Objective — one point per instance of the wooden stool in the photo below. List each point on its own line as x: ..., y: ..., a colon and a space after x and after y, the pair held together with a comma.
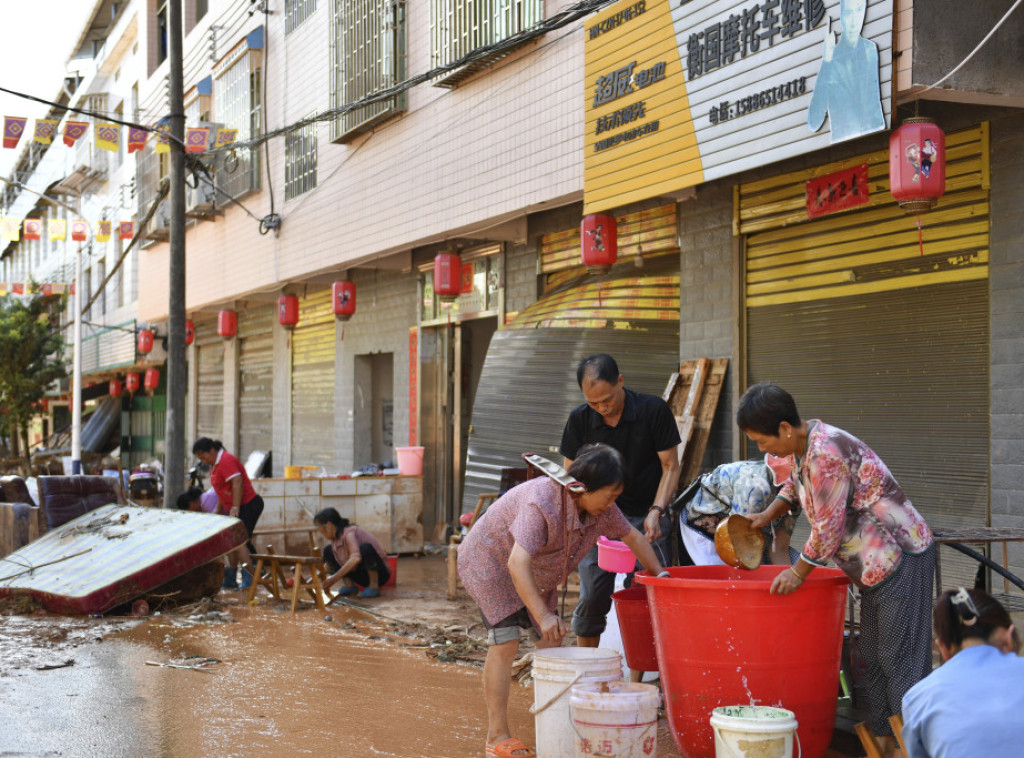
x: 276, y: 581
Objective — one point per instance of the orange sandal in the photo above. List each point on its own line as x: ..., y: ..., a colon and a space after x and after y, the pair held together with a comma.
x: 510, y: 747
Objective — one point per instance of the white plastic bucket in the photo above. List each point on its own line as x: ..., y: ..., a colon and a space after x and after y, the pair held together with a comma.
x: 410, y: 460
x: 555, y: 671
x: 615, y: 719
x: 742, y: 730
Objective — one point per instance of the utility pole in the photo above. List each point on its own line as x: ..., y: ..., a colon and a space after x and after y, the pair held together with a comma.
x: 76, y: 363
x: 174, y: 453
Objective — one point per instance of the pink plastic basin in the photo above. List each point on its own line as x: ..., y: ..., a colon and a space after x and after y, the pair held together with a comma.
x: 723, y: 639
x: 614, y: 556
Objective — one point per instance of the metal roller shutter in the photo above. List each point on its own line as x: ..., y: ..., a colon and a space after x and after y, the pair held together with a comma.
x: 210, y: 392
x: 256, y: 385
x: 313, y: 383
x: 874, y: 336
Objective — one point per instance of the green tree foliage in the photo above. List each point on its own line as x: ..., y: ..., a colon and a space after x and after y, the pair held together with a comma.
x: 31, y: 358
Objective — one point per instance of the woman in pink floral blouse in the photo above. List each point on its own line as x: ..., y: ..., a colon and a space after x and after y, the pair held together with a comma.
x: 862, y: 521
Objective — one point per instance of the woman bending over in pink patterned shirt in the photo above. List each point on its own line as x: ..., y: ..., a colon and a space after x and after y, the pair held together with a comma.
x: 525, y: 545
x: 863, y: 522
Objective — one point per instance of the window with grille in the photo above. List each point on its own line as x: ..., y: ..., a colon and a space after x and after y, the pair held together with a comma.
x: 457, y: 27
x: 297, y: 11
x: 300, y: 161
x: 367, y: 57
x: 237, y: 106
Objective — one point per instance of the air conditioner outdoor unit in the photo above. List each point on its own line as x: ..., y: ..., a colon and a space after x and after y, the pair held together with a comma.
x: 159, y: 226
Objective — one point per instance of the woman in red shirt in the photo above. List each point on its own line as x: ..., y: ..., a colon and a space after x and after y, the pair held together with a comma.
x: 236, y: 497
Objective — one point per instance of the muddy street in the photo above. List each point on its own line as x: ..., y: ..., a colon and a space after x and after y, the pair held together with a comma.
x: 343, y: 683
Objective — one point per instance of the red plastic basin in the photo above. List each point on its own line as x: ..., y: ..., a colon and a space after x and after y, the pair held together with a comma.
x: 722, y: 639
x: 634, y: 615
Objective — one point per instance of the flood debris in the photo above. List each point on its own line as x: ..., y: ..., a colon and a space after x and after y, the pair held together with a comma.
x: 192, y: 662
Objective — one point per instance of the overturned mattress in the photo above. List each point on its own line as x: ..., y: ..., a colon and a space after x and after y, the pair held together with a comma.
x: 113, y: 554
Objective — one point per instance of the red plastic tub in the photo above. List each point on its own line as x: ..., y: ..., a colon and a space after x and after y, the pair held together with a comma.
x: 635, y: 627
x: 393, y: 566
x: 723, y: 639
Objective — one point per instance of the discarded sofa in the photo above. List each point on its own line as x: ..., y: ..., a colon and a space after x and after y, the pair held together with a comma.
x: 21, y: 520
x: 64, y: 498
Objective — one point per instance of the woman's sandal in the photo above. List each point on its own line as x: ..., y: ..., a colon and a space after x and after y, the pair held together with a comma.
x: 510, y: 747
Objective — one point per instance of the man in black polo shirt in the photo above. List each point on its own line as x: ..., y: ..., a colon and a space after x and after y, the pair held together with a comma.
x: 643, y: 429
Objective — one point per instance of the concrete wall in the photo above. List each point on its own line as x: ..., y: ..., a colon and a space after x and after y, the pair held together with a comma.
x: 1006, y: 339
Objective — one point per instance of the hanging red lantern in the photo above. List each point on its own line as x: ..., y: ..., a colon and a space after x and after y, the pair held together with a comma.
x: 343, y: 299
x: 190, y: 332
x: 114, y: 388
x: 152, y: 380
x: 447, y: 276
x: 145, y: 341
x: 917, y: 164
x: 227, y: 324
x: 288, y: 310
x: 131, y: 382
x: 599, y: 235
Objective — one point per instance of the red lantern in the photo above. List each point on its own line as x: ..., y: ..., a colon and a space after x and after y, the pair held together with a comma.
x: 114, y: 388
x: 152, y: 380
x: 227, y: 324
x: 447, y: 276
x: 190, y: 332
x: 343, y: 298
x: 131, y: 381
x: 288, y: 310
x: 599, y: 234
x: 917, y: 164
x: 145, y: 341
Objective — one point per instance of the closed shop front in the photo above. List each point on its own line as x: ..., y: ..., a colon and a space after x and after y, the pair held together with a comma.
x: 210, y: 391
x: 877, y: 328
x: 313, y: 383
x: 256, y: 380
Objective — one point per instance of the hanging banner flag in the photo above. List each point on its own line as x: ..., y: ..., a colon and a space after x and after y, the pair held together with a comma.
x: 225, y: 138
x: 73, y: 130
x: 163, y: 140
x: 44, y: 131
x: 79, y: 229
x: 33, y: 228
x: 196, y: 139
x: 103, y: 231
x: 18, y: 288
x: 58, y: 229
x: 45, y: 289
x: 14, y: 127
x: 71, y: 288
x: 136, y: 139
x: 3, y: 288
x: 126, y: 230
x: 108, y: 136
x: 10, y: 229
x: 58, y: 289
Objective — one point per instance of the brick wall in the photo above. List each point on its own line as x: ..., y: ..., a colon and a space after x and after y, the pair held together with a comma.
x: 1006, y: 338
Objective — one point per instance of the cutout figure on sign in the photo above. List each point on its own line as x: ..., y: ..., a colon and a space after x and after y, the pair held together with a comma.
x: 913, y: 153
x: 929, y: 154
x: 847, y: 88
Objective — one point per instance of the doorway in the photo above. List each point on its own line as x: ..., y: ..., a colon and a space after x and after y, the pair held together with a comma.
x: 374, y: 409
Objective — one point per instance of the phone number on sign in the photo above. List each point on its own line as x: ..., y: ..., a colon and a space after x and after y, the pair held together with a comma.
x: 726, y: 110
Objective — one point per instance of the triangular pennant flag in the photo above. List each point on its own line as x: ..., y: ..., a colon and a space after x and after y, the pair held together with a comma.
x: 10, y: 229
x: 58, y: 229
x: 103, y: 231
x: 136, y: 138
x: 79, y: 229
x: 33, y: 228
x: 73, y: 130
x: 196, y: 138
x: 126, y: 230
x: 225, y: 138
x: 18, y: 288
x: 45, y: 129
x: 14, y: 127
x: 163, y: 140
x: 108, y: 136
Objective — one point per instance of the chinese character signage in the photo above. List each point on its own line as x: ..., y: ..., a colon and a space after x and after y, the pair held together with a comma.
x: 679, y: 92
x: 838, y: 192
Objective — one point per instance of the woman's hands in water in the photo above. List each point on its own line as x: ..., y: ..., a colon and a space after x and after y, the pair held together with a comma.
x: 553, y: 628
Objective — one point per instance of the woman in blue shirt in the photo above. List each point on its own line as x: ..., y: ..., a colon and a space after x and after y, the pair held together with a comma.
x: 965, y: 707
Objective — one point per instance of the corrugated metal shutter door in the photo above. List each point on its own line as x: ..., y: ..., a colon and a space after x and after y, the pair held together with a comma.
x: 313, y: 383
x: 210, y: 395
x: 256, y: 388
x: 871, y: 336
